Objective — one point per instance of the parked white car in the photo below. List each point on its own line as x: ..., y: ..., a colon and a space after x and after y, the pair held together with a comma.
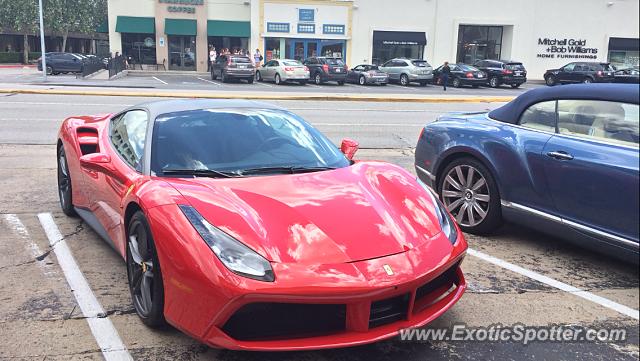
x: 283, y: 70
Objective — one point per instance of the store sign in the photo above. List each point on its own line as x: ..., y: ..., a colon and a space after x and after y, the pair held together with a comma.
x: 567, y: 48
x: 306, y: 15
x: 181, y: 6
x: 393, y: 42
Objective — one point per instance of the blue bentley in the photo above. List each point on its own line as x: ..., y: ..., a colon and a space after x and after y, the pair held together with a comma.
x: 563, y: 160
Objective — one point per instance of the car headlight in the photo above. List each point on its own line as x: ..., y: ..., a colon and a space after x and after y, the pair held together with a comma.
x: 444, y: 218
x: 237, y: 257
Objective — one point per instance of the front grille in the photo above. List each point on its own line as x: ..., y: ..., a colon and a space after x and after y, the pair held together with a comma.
x: 272, y: 321
x: 388, y: 310
x: 425, y: 292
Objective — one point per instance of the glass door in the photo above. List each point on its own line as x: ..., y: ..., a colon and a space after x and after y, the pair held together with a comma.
x: 312, y: 49
x: 298, y: 50
x: 182, y: 53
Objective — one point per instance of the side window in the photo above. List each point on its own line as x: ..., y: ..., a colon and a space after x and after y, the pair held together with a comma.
x: 579, y: 67
x: 128, y: 133
x: 612, y: 122
x: 540, y: 116
x: 359, y: 68
x: 388, y: 64
x: 569, y: 67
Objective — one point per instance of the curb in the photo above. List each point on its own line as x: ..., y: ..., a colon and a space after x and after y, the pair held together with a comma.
x: 327, y: 97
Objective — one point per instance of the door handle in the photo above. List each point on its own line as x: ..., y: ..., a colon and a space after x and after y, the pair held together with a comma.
x: 560, y: 155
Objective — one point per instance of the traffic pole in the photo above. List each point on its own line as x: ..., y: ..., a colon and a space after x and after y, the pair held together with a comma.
x: 42, y: 49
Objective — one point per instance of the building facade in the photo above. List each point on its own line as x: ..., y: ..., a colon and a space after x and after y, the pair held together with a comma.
x: 542, y: 34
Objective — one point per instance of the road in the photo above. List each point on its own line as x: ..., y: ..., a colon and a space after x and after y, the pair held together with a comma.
x: 40, y: 319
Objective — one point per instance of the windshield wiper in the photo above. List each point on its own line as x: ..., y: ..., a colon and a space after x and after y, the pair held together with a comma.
x: 290, y: 170
x: 201, y: 173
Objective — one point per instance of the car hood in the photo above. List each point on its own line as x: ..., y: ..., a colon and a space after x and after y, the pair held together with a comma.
x: 364, y: 211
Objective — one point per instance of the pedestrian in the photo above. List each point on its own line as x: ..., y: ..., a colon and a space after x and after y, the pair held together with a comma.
x: 444, y: 75
x: 257, y: 57
x: 212, y: 57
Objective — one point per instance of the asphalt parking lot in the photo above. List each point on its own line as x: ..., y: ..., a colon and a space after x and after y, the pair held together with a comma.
x: 168, y: 80
x: 41, y: 319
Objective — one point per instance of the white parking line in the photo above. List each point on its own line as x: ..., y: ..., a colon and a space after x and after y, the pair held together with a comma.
x: 263, y: 84
x: 210, y: 81
x: 162, y: 81
x: 20, y: 230
x: 105, y: 334
x: 627, y: 311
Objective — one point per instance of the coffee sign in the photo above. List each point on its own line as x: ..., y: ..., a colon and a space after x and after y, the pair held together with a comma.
x: 567, y: 48
x: 181, y: 6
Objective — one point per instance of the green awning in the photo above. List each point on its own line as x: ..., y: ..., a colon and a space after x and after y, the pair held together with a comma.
x: 134, y: 24
x: 180, y: 27
x: 103, y: 27
x: 241, y: 29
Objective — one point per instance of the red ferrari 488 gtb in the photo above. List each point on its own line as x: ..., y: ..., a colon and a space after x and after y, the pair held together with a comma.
x: 246, y: 228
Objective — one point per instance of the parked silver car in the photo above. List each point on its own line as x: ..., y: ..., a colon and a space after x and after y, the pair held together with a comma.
x: 283, y: 70
x: 405, y: 71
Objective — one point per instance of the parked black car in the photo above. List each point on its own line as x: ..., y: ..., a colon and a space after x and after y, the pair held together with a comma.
x: 367, y: 74
x: 503, y: 72
x: 62, y: 63
x: 461, y: 74
x: 323, y: 69
x: 580, y: 72
x: 629, y: 75
x: 229, y: 67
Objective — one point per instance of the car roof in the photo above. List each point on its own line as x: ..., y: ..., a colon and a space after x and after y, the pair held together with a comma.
x: 510, y: 112
x: 160, y: 107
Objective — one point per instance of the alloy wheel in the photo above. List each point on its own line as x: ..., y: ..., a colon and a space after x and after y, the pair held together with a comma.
x: 141, y: 269
x: 277, y: 80
x: 64, y: 181
x: 551, y: 81
x: 456, y: 83
x: 362, y: 81
x: 493, y: 82
x: 466, y: 195
x: 318, y: 79
x: 587, y: 81
x: 404, y: 80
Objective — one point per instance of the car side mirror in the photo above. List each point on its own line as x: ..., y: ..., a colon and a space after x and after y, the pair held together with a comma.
x: 349, y: 147
x: 97, y: 162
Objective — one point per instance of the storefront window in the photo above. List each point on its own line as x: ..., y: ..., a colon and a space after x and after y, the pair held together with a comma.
x: 234, y: 44
x: 182, y: 52
x: 624, y: 52
x: 272, y: 49
x: 397, y: 44
x: 141, y: 48
x: 476, y: 42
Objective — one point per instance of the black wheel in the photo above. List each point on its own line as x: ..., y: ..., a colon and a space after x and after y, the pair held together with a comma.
x: 64, y: 184
x: 302, y: 82
x: 250, y: 80
x: 277, y: 79
x: 259, y: 77
x: 404, y: 80
x: 475, y: 86
x: 383, y: 84
x: 340, y: 82
x: 515, y: 86
x: 143, y: 272
x: 362, y: 80
x: 318, y: 79
x: 470, y: 193
x: 49, y: 70
x: 587, y: 80
x: 494, y: 82
x: 457, y: 83
x: 550, y: 80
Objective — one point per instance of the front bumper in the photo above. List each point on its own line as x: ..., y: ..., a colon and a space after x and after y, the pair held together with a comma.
x: 208, y: 302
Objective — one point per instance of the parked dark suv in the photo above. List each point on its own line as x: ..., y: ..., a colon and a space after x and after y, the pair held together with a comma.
x: 581, y: 72
x: 229, y: 67
x: 62, y: 63
x: 323, y: 69
x: 503, y: 72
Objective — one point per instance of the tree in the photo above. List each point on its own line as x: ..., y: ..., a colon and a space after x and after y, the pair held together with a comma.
x: 22, y: 17
x: 82, y: 16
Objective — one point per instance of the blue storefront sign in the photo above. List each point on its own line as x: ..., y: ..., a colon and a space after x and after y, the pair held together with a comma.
x: 306, y: 15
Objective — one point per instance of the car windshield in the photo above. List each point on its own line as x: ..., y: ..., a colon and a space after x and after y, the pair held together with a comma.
x: 371, y: 67
x: 332, y: 61
x: 607, y: 67
x: 240, y: 59
x: 234, y: 140
x: 291, y: 63
x: 420, y: 63
x: 514, y: 66
x: 465, y: 67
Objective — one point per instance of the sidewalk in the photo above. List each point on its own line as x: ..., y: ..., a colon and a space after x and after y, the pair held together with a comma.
x: 208, y: 94
x: 17, y: 66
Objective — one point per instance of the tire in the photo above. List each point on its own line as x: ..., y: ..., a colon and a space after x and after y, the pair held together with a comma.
x: 515, y: 86
x: 213, y: 75
x: 250, y: 80
x: 478, y: 194
x: 277, y: 79
x: 494, y: 82
x: 340, y: 82
x: 383, y: 84
x: 550, y: 80
x: 362, y: 80
x: 49, y: 70
x: 404, y: 80
x: 259, y: 77
x: 302, y: 82
x: 65, y: 193
x: 587, y: 80
x: 223, y: 78
x: 317, y: 79
x: 423, y: 83
x: 144, y: 274
x: 456, y: 83
x: 475, y: 86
